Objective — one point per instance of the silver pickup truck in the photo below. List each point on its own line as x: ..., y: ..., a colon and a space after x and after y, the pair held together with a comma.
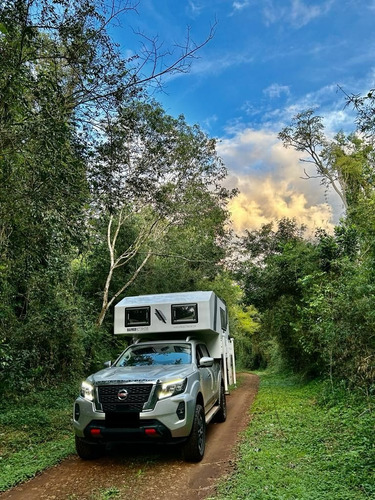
x: 156, y: 391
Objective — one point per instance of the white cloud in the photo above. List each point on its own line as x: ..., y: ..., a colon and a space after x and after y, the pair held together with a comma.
x: 328, y: 102
x: 240, y: 5
x: 269, y: 179
x: 213, y: 66
x: 263, y: 201
x: 195, y: 8
x: 302, y: 14
x: 297, y: 13
x: 276, y: 90
x: 210, y: 121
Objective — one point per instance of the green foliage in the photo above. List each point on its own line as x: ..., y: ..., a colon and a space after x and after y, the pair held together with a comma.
x: 304, y: 445
x: 333, y: 318
x: 273, y: 263
x: 36, y: 432
x: 81, y: 150
x: 316, y: 300
x: 337, y: 321
x: 167, y: 173
x: 244, y: 325
x: 108, y: 493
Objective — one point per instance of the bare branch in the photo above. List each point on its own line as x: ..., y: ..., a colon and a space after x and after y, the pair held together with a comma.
x: 150, y: 55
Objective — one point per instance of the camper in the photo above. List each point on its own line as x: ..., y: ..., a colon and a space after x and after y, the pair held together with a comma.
x: 168, y: 384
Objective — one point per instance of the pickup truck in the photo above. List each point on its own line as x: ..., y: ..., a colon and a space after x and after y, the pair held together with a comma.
x: 158, y: 390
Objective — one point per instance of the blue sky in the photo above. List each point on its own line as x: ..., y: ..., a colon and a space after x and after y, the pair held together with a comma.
x: 268, y: 60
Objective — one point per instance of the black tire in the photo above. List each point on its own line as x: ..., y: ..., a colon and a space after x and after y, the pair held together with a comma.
x: 193, y: 448
x: 88, y: 451
x: 221, y: 415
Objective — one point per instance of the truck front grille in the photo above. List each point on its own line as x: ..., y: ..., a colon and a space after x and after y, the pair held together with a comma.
x: 123, y: 398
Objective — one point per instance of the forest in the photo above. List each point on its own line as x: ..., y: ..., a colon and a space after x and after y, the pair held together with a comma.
x: 103, y: 194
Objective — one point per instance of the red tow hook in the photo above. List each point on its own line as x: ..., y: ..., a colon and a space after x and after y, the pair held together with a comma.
x: 151, y: 432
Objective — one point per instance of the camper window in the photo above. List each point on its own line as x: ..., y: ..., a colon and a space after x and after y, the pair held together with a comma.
x: 184, y: 313
x: 223, y: 319
x: 137, y: 316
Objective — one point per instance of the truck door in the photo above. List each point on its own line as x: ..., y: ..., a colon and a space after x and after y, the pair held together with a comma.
x: 206, y: 376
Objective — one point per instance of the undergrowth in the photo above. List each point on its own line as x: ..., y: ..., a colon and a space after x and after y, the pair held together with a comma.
x: 35, y: 432
x: 305, y: 442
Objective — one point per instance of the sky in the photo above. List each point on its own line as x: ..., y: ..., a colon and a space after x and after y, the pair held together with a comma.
x: 267, y: 61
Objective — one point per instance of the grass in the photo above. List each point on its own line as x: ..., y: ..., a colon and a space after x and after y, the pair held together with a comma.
x: 35, y: 433
x: 304, y: 443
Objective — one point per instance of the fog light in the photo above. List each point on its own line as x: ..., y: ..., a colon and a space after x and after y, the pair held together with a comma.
x: 77, y: 411
x: 181, y: 410
x: 95, y: 432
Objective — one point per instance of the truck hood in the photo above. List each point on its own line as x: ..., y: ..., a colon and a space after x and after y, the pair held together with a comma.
x: 139, y: 374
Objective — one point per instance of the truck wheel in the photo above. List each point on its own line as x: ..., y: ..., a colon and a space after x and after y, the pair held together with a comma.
x: 221, y: 415
x: 88, y: 451
x: 193, y: 449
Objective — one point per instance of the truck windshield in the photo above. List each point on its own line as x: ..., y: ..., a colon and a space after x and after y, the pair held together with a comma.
x: 156, y: 354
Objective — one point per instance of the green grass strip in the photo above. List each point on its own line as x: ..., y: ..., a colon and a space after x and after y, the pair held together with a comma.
x: 301, y: 445
x: 35, y: 433
x: 27, y: 463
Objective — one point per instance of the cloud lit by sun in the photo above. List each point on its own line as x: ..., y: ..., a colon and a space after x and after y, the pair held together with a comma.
x: 269, y: 179
x: 263, y: 201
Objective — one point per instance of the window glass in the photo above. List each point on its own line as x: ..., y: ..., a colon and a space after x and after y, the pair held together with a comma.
x: 156, y: 354
x: 204, y: 350
x: 201, y: 352
x: 223, y: 319
x: 184, y: 313
x: 137, y: 316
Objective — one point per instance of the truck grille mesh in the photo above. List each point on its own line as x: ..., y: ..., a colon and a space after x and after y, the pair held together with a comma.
x: 137, y: 395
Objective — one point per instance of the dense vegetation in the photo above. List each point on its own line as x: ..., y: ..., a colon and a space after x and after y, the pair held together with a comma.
x: 304, y: 443
x: 103, y: 194
x: 316, y: 296
x: 36, y: 433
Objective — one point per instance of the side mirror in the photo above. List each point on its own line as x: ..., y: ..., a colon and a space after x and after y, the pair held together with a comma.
x: 206, y: 362
x: 108, y: 364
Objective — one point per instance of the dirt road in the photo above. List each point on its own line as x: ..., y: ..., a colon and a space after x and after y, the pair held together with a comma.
x: 140, y: 474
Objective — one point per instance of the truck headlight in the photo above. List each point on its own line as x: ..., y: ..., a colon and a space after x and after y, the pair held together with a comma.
x: 87, y: 391
x: 168, y: 389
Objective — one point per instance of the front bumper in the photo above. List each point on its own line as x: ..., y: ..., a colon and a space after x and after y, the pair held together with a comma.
x: 170, y: 420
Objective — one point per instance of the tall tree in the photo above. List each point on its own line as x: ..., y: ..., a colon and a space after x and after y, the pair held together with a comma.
x: 61, y: 75
x: 155, y: 164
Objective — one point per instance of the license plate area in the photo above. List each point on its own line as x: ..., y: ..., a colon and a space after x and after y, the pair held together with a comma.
x: 122, y: 419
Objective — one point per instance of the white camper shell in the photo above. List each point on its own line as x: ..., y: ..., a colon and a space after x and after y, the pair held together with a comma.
x: 201, y: 315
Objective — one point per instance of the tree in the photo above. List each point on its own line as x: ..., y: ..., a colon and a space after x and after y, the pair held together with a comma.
x: 336, y: 319
x: 273, y: 263
x: 364, y: 106
x: 61, y: 76
x: 151, y: 163
x: 344, y: 163
x: 43, y: 189
x: 306, y: 133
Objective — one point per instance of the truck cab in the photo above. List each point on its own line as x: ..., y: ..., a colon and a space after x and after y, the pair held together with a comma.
x: 168, y: 384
